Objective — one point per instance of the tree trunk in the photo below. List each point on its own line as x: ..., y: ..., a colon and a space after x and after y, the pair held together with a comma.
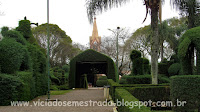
x: 154, y: 43
x: 162, y: 52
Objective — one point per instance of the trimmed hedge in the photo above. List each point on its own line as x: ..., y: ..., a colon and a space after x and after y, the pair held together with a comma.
x: 93, y: 57
x: 137, y: 63
x: 11, y: 55
x: 144, y: 79
x: 123, y: 79
x: 113, y: 85
x: 101, y: 83
x: 24, y: 28
x: 153, y: 93
x: 39, y: 69
x: 185, y: 88
x: 9, y: 88
x: 190, y: 37
x: 6, y: 33
x: 103, y: 78
x: 146, y: 66
x: 163, y: 68
x: 174, y: 69
x: 122, y: 94
x: 27, y: 91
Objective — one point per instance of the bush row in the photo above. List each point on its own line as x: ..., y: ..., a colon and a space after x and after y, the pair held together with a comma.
x: 102, y: 81
x: 142, y: 79
x: 153, y: 93
x: 124, y: 96
x: 185, y: 88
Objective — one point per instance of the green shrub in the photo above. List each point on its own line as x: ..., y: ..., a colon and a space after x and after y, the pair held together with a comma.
x: 25, y: 29
x: 137, y: 66
x: 122, y: 81
x: 145, y: 79
x: 113, y: 85
x: 135, y: 54
x: 101, y: 83
x: 9, y: 88
x: 174, y: 58
x: 163, y: 68
x: 39, y: 69
x: 103, y: 78
x: 27, y: 91
x: 122, y: 94
x: 185, y: 88
x: 54, y: 79
x: 38, y: 59
x: 153, y: 93
x: 41, y: 84
x: 54, y: 87
x: 65, y: 68
x: 146, y: 66
x: 59, y: 74
x: 64, y: 87
x: 11, y: 55
x: 6, y: 33
x: 174, y: 69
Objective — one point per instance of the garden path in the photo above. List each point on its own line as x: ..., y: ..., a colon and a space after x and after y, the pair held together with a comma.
x: 75, y: 95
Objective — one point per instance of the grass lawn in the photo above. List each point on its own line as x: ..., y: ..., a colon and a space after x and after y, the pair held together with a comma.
x: 163, y: 111
x: 59, y: 92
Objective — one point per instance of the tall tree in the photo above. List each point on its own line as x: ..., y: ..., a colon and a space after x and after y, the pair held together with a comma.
x: 94, y: 6
x: 189, y: 8
x: 60, y: 43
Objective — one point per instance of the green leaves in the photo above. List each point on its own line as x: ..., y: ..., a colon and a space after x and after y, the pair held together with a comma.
x: 11, y: 55
x: 185, y: 88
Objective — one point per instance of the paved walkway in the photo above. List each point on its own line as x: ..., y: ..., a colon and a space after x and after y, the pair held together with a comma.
x: 75, y: 95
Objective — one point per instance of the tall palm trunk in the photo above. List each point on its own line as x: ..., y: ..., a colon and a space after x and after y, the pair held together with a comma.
x: 154, y: 43
x: 162, y: 51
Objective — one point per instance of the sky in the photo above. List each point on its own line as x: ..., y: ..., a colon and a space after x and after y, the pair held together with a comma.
x: 71, y: 16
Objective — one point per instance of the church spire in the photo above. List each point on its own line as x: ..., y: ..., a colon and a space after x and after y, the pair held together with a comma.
x: 95, y: 39
x: 95, y: 31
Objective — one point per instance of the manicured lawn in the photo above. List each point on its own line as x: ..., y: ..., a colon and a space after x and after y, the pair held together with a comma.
x: 59, y: 92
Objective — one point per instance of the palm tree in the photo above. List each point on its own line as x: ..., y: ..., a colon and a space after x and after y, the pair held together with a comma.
x: 189, y: 8
x: 94, y: 6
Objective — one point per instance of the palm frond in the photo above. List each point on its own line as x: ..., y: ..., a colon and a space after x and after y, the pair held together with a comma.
x: 98, y: 6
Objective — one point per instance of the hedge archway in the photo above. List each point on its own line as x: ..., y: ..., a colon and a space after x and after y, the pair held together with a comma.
x: 189, y: 40
x: 89, y: 61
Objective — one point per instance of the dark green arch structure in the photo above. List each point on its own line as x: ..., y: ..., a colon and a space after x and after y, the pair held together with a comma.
x: 189, y: 40
x: 91, y: 62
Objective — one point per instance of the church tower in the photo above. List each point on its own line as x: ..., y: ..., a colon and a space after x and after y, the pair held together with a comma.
x: 95, y: 39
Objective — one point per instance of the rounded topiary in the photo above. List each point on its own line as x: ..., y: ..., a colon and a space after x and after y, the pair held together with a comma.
x: 11, y: 55
x: 174, y: 69
x: 135, y: 54
x: 146, y: 66
x: 25, y: 29
x: 13, y: 34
